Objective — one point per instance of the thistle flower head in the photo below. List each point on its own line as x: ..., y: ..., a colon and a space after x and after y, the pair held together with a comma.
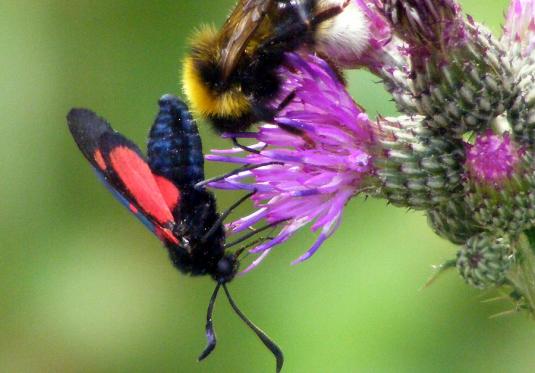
x: 519, y: 28
x: 321, y: 148
x: 492, y: 158
x: 448, y: 75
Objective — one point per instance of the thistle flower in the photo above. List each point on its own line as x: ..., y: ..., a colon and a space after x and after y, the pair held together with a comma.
x: 378, y: 27
x: 426, y: 23
x: 492, y: 159
x: 324, y: 155
x: 452, y: 81
x: 386, y: 55
x: 500, y: 184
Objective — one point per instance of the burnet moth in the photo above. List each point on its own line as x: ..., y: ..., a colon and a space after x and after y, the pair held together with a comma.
x: 161, y: 192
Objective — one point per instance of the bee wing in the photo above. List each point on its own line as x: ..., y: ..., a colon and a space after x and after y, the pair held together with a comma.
x: 239, y: 29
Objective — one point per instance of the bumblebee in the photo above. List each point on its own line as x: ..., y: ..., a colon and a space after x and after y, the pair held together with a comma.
x: 230, y: 75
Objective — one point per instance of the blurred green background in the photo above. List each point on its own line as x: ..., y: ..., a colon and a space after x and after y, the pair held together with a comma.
x: 84, y: 287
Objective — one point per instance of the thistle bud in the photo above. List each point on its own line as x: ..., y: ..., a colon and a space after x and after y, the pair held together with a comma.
x: 415, y: 168
x: 485, y: 260
x: 461, y: 77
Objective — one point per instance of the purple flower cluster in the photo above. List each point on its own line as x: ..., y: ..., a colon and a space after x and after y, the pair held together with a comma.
x: 322, y: 156
x: 492, y: 158
x: 448, y: 75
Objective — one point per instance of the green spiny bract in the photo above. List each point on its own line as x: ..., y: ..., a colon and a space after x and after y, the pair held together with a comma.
x: 466, y: 85
x: 522, y: 110
x: 508, y: 210
x: 460, y: 74
x: 453, y: 220
x: 500, y: 184
x: 393, y: 67
x: 415, y: 168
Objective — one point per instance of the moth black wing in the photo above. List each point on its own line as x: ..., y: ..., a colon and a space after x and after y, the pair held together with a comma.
x: 123, y: 169
x: 86, y: 128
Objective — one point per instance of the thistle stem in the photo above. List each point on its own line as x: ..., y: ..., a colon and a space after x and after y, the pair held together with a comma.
x: 522, y: 276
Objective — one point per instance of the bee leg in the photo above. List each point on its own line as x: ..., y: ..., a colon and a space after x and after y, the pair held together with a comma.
x: 329, y: 13
x: 289, y: 98
x: 244, y: 147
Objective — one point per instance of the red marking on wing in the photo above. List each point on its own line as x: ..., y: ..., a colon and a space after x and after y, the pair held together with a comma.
x: 170, y: 192
x: 139, y: 180
x: 165, y: 234
x: 99, y: 159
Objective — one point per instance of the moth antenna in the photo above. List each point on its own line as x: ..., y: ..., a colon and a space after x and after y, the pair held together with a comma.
x: 275, y: 350
x: 210, y: 332
x: 235, y: 172
x: 253, y: 233
x: 224, y: 215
